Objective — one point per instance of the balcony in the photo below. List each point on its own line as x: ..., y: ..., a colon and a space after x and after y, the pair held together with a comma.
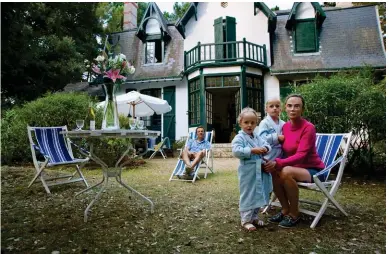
x: 217, y: 54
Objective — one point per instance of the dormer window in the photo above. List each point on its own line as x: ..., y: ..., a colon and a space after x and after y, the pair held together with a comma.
x: 154, y: 33
x: 305, y: 36
x: 305, y: 20
x: 154, y: 52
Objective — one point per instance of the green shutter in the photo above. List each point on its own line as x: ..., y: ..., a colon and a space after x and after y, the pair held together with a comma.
x: 231, y: 36
x: 218, y: 28
x: 305, y: 36
x: 169, y: 118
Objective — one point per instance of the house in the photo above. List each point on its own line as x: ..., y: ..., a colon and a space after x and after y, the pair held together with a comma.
x: 223, y: 56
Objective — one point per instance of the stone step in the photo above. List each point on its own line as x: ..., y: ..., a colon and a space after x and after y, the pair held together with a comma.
x: 222, y: 150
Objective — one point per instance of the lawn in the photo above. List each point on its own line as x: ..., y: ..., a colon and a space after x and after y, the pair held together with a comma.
x: 188, y: 218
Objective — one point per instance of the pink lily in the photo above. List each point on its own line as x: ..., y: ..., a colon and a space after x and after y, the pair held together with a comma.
x: 96, y: 69
x: 113, y: 74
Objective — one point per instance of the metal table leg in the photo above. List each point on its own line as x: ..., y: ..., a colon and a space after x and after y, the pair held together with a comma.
x: 106, y: 174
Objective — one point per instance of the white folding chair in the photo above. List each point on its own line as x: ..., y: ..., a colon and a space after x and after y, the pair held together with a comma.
x: 165, y: 143
x: 56, y: 150
x: 333, y: 150
x: 206, y: 162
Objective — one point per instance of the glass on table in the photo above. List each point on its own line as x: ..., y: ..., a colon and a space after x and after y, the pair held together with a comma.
x: 132, y: 123
x: 80, y: 124
x: 141, y: 124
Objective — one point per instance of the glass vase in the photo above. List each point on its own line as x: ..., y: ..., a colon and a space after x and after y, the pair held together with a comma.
x: 110, y: 115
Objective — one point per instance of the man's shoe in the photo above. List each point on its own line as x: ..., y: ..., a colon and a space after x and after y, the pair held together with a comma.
x: 188, y: 170
x: 276, y: 218
x: 289, y: 222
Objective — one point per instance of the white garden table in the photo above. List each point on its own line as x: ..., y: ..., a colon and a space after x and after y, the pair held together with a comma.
x: 117, y: 170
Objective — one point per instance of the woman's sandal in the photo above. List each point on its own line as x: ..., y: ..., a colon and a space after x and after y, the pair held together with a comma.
x: 249, y: 227
x: 258, y: 223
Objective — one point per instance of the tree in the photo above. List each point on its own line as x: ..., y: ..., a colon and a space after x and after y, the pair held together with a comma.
x: 329, y: 4
x: 111, y: 15
x: 44, y: 46
x: 179, y: 9
x: 275, y: 8
x: 140, y: 12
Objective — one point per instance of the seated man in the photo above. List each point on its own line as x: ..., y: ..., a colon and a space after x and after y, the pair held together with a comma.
x: 195, y: 150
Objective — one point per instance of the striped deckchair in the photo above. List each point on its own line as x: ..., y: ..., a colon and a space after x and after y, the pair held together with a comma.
x: 206, y: 162
x: 332, y: 149
x: 56, y: 150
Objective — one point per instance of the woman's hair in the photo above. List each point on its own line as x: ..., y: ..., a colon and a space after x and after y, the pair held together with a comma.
x: 298, y: 96
x: 246, y: 110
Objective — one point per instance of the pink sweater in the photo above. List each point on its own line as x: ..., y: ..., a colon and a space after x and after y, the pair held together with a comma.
x: 299, y: 146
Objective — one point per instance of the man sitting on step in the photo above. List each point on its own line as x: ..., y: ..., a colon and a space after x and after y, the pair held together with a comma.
x: 195, y: 150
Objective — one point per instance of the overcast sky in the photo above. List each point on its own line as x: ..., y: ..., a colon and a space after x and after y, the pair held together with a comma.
x: 284, y: 5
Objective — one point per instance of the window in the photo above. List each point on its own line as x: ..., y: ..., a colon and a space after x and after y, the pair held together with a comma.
x: 222, y: 81
x: 255, y: 94
x: 194, y: 102
x: 209, y: 107
x: 225, y: 31
x: 305, y: 36
x: 154, y: 52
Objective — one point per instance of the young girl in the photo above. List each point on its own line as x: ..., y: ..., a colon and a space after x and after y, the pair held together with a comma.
x: 270, y: 128
x: 253, y: 183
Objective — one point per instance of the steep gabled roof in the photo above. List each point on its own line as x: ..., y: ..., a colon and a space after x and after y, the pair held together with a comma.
x: 350, y: 38
x: 271, y: 16
x: 181, y: 23
x: 153, y: 8
x: 320, y: 15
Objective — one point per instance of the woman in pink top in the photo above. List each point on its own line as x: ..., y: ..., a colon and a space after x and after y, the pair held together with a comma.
x: 299, y: 163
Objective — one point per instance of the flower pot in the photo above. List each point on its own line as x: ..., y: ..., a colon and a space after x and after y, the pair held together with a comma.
x: 110, y: 115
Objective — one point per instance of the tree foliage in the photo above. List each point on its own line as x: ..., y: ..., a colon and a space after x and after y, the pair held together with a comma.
x: 44, y: 46
x: 179, y: 9
x: 350, y: 102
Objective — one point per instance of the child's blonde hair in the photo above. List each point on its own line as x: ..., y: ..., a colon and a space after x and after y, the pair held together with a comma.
x: 273, y: 99
x: 247, y: 110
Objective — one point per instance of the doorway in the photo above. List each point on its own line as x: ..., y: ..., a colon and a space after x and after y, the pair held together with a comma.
x: 225, y: 105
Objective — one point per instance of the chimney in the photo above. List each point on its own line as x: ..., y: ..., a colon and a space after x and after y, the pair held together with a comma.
x: 129, y: 15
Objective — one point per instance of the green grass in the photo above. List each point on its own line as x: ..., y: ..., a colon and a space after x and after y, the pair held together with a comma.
x: 188, y: 218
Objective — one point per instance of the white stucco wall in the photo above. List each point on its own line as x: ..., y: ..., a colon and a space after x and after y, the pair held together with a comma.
x: 152, y: 26
x: 253, y: 28
x: 181, y: 109
x: 230, y: 69
x: 271, y: 86
x: 305, y: 10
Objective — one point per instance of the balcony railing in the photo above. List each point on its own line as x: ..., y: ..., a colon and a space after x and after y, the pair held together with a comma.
x: 232, y: 51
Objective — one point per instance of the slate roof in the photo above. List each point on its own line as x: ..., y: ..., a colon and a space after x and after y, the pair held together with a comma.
x: 133, y: 48
x: 350, y: 37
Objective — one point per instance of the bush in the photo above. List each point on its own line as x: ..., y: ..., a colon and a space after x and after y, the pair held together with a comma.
x: 51, y: 110
x: 350, y: 102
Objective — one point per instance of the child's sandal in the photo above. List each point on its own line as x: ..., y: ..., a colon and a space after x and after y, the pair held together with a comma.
x: 249, y: 227
x: 258, y: 223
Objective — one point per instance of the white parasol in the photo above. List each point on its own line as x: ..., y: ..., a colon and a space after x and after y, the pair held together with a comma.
x: 140, y: 104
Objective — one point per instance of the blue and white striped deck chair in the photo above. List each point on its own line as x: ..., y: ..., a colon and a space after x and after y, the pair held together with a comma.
x: 56, y: 150
x: 206, y: 162
x: 332, y: 149
x: 165, y: 143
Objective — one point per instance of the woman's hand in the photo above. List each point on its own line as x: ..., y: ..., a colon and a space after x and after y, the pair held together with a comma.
x: 281, y: 138
x: 269, y: 166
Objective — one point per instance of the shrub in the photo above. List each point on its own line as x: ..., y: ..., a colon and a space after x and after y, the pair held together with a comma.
x: 51, y: 110
x: 349, y: 102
